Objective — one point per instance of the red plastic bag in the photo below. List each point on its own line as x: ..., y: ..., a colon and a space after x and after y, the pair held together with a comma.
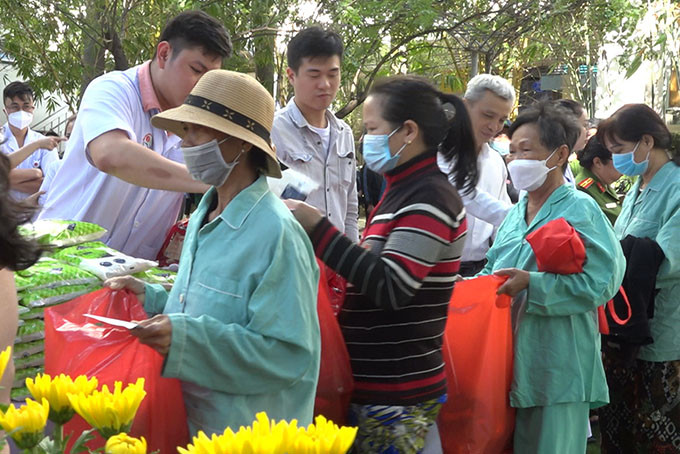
x: 334, y: 390
x: 477, y: 417
x: 172, y: 246
x: 336, y: 287
x: 76, y: 345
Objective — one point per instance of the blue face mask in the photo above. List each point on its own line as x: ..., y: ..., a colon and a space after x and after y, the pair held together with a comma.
x: 625, y: 163
x: 377, y: 152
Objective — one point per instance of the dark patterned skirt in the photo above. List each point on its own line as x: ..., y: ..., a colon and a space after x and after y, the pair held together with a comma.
x: 644, y: 413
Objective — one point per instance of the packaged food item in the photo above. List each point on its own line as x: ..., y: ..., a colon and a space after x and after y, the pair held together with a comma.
x: 19, y: 394
x: 61, y: 233
x: 20, y: 375
x: 34, y: 360
x: 292, y: 185
x: 30, y: 331
x: 50, y: 273
x: 158, y: 276
x: 51, y: 296
x: 26, y: 349
x: 27, y: 313
x: 101, y: 260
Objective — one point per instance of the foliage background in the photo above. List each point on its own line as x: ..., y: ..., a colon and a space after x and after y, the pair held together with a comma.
x: 61, y: 45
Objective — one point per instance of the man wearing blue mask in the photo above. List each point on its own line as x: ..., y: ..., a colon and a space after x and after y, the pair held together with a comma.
x: 119, y: 171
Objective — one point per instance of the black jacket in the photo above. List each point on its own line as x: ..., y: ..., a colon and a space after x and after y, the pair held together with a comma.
x: 643, y: 258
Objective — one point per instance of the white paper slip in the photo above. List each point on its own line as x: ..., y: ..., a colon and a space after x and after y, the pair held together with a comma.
x: 112, y: 321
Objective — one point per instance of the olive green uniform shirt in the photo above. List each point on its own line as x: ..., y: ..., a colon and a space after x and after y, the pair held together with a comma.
x: 603, y: 194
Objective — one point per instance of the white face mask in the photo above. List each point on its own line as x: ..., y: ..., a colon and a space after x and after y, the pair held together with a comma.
x: 529, y: 174
x: 20, y: 119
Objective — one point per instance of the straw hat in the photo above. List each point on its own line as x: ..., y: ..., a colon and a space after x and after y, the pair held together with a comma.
x: 231, y: 102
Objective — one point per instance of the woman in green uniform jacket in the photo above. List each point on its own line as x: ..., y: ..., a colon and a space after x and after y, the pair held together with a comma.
x: 596, y: 175
x: 644, y: 415
x: 558, y: 372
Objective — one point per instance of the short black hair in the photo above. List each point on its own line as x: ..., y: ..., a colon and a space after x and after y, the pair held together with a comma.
x: 557, y: 125
x: 197, y: 29
x: 17, y: 89
x: 571, y: 105
x: 313, y: 42
x: 593, y: 149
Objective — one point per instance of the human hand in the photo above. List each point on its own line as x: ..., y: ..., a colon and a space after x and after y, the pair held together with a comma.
x: 518, y: 280
x: 307, y: 215
x: 49, y: 143
x: 32, y: 199
x: 156, y: 332
x: 133, y: 284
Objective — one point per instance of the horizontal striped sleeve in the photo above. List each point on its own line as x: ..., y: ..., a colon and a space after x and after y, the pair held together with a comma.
x: 416, y: 237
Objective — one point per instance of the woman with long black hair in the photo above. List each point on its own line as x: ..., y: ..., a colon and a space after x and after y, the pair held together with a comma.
x: 16, y: 253
x: 403, y: 271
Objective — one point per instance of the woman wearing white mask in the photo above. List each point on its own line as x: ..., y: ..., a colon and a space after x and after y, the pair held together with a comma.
x: 558, y: 373
x: 239, y: 327
x: 402, y: 273
x: 645, y: 386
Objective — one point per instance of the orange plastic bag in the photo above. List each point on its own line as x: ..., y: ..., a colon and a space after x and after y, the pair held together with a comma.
x: 334, y: 390
x: 77, y: 345
x: 477, y: 417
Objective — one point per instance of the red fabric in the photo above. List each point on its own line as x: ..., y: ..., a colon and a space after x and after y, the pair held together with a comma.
x: 334, y: 390
x: 477, y: 417
x: 558, y: 248
x: 75, y: 345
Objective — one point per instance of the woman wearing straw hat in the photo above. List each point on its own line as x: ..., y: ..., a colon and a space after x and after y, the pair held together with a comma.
x: 239, y: 327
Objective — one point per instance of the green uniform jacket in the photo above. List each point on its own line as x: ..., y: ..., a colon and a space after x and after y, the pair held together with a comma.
x: 655, y: 213
x: 245, y: 331
x: 603, y: 194
x: 557, y: 343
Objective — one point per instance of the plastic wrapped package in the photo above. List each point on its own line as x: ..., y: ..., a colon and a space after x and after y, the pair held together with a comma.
x: 30, y: 331
x: 51, y: 296
x: 158, y: 276
x: 102, y: 261
x: 60, y: 233
x: 51, y: 273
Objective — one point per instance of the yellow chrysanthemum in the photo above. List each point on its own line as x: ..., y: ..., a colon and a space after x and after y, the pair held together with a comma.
x: 269, y: 437
x: 125, y: 444
x: 110, y: 413
x: 5, y: 355
x: 56, y: 391
x: 26, y: 424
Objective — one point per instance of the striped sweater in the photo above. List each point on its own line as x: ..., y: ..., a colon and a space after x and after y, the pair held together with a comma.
x: 401, y: 277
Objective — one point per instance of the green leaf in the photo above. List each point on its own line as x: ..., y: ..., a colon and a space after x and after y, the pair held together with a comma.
x: 79, y: 444
x: 634, y: 66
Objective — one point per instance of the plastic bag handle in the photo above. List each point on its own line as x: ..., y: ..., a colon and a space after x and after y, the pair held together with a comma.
x: 612, y: 310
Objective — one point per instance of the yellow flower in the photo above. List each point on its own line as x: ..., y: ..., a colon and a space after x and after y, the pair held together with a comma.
x: 56, y: 391
x: 25, y: 425
x: 124, y: 444
x: 5, y: 355
x: 110, y: 413
x: 269, y: 437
